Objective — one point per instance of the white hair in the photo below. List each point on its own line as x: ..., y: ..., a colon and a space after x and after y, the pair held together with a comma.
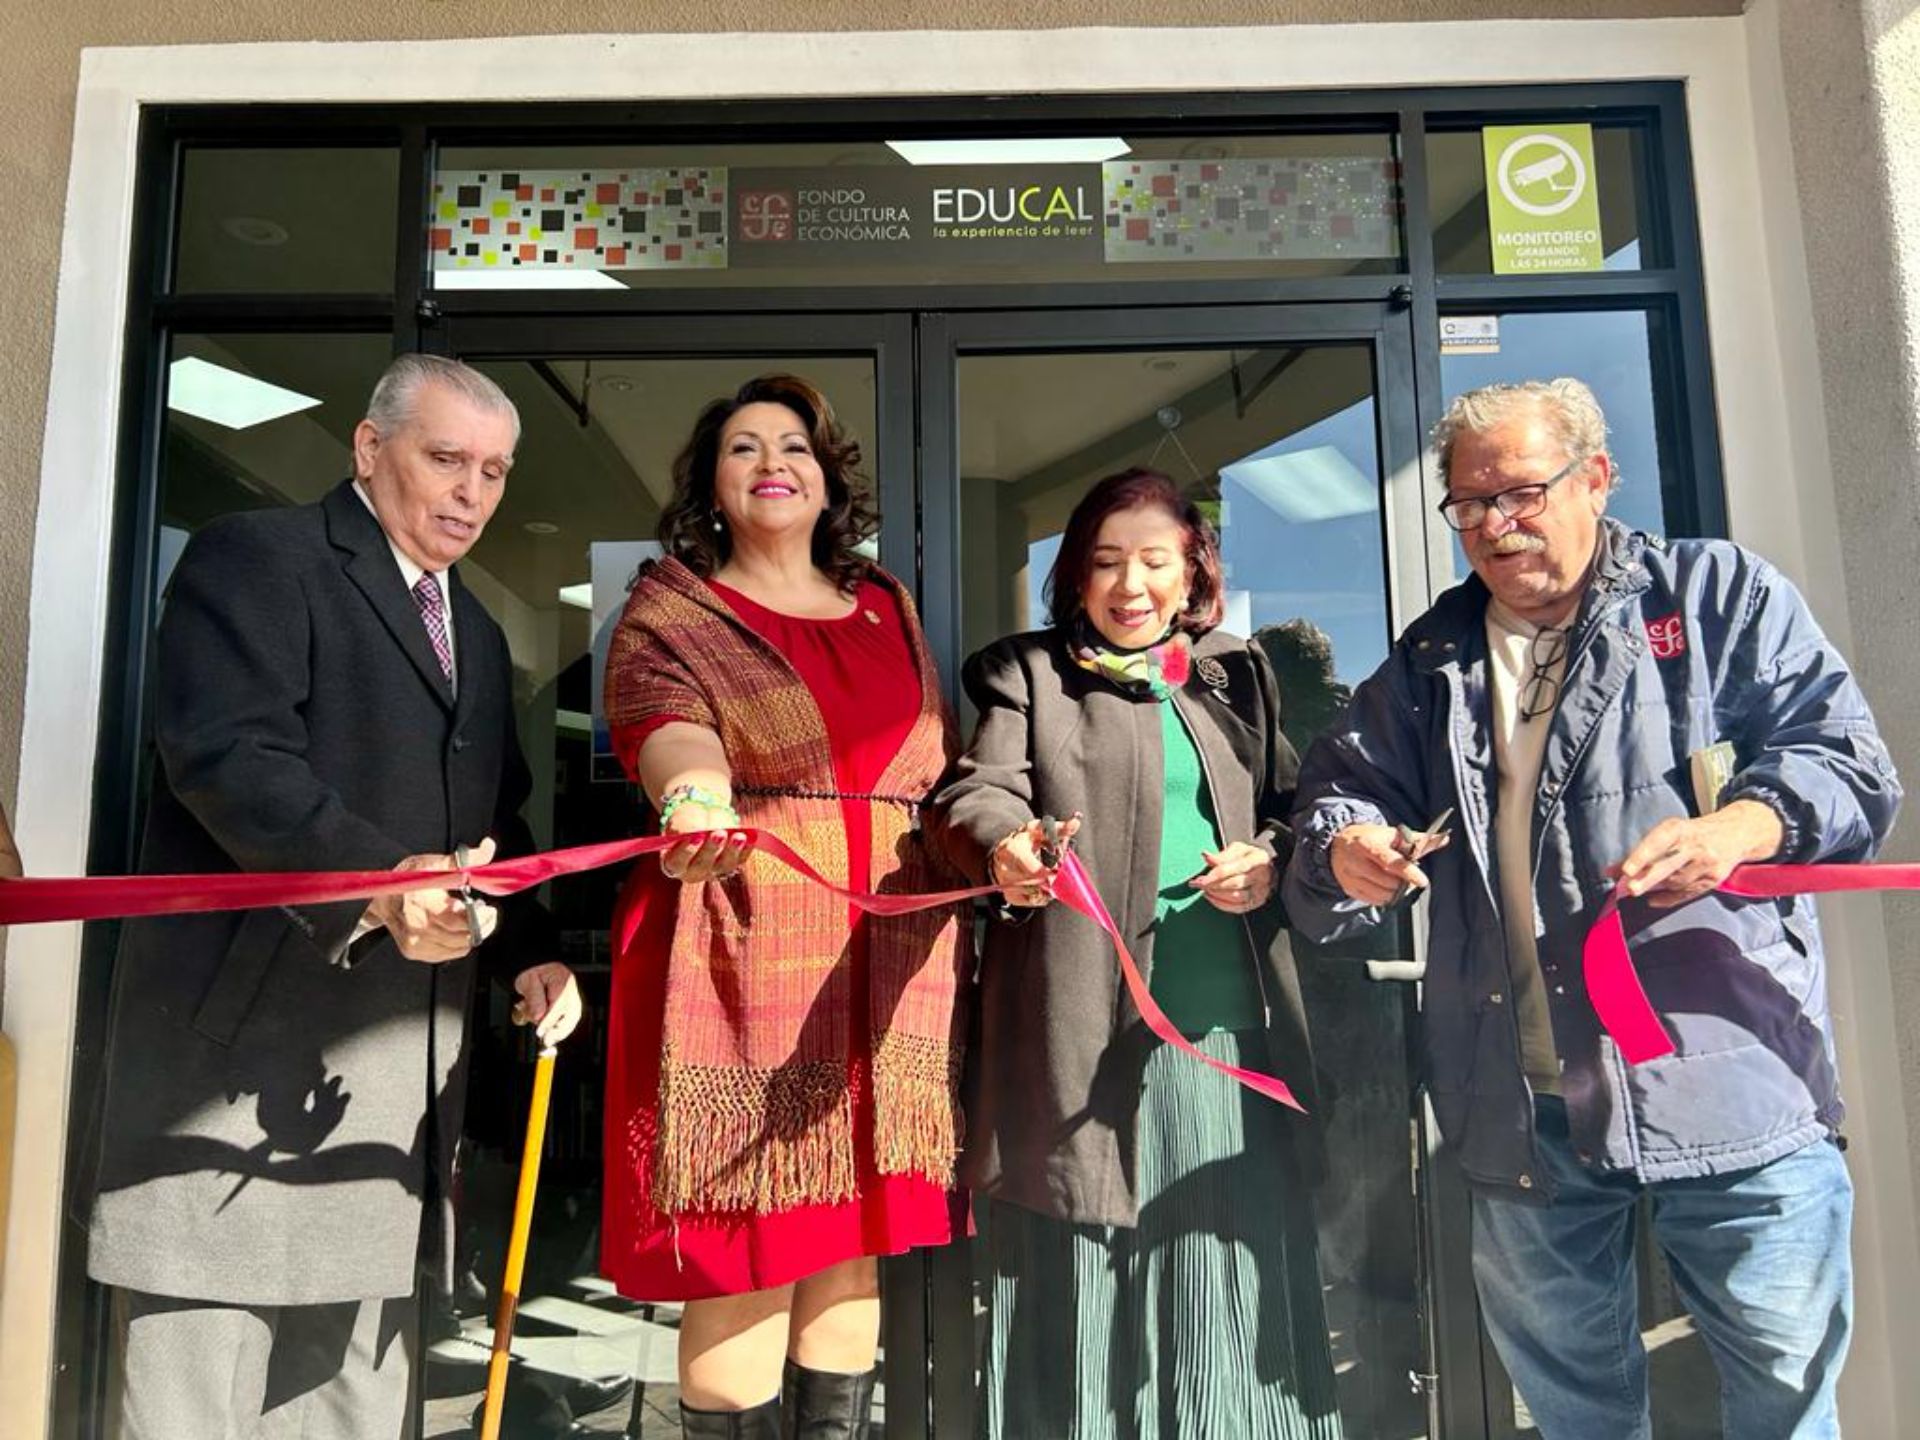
x: 1572, y: 416
x: 396, y: 397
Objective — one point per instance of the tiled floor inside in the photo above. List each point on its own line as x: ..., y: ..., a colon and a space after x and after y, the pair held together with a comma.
x: 573, y: 1351
x: 570, y: 1352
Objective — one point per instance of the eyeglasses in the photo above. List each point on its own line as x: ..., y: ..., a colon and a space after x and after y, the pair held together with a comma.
x: 1542, y: 690
x: 1518, y: 502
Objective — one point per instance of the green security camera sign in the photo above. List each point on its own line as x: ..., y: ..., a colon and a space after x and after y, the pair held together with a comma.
x: 1543, y: 207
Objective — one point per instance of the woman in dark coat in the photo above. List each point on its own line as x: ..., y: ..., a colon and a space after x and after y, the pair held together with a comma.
x: 1151, y: 1230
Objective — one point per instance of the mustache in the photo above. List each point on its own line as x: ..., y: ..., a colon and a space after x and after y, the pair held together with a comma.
x: 1517, y: 542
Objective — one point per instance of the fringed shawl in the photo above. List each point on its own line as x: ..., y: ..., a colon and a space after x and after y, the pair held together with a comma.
x: 754, y: 1113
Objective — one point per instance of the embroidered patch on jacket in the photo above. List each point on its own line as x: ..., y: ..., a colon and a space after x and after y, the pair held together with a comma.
x: 1667, y: 636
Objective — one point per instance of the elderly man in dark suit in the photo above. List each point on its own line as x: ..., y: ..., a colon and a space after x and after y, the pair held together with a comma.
x: 283, y: 1086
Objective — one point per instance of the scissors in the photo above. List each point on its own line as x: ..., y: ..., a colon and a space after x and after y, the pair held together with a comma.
x: 1052, y: 848
x: 472, y: 900
x: 1414, y: 844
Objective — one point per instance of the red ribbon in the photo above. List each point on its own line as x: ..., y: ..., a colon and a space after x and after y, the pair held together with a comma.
x: 1772, y: 882
x: 1075, y: 888
x: 28, y: 902
x: 1614, y: 987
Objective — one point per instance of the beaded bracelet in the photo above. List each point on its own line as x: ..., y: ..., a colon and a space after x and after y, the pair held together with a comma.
x: 693, y: 795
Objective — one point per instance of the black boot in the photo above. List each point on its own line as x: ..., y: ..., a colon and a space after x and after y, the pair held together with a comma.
x: 821, y: 1405
x: 762, y: 1422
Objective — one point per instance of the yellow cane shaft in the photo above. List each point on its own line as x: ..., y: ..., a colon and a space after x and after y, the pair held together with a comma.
x: 517, y: 1247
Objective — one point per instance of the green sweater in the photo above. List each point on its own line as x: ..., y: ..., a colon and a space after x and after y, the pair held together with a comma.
x: 1202, y: 971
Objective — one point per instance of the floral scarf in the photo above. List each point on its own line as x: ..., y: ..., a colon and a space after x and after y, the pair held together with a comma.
x: 1158, y: 670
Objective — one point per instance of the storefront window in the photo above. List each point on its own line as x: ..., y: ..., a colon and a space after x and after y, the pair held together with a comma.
x: 272, y: 221
x: 259, y: 419
x: 916, y: 212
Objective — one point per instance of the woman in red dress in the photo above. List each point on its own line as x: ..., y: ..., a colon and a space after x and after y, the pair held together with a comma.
x: 782, y: 1070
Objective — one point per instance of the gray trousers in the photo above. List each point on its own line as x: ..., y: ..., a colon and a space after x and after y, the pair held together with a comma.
x: 198, y: 1370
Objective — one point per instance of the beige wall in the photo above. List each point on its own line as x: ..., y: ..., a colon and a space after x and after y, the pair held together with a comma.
x: 1852, y: 71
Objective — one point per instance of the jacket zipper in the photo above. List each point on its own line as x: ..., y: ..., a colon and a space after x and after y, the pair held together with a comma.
x: 1456, y: 706
x: 1456, y: 697
x: 1576, y: 652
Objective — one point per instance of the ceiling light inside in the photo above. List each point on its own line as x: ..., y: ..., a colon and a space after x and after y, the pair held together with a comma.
x: 1089, y: 150
x: 226, y: 397
x: 541, y: 527
x: 579, y: 596
x: 255, y: 230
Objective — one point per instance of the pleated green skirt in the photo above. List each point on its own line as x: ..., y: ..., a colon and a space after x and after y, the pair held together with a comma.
x: 1204, y: 1323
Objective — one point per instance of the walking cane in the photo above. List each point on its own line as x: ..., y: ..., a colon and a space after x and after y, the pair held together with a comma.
x: 517, y: 1245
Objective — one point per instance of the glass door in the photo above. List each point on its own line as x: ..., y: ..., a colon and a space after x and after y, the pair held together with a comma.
x: 1294, y: 429
x: 605, y: 407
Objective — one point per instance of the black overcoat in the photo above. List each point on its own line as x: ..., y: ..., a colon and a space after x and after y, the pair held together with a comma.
x: 279, y: 1111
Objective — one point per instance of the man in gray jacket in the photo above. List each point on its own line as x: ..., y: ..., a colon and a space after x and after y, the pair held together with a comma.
x: 1594, y: 705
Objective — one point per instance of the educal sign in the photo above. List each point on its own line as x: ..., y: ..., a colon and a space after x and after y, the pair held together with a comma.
x: 956, y: 215
x: 1543, y: 204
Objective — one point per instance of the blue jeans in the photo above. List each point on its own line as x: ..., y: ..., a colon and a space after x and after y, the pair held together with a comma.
x: 1760, y: 1257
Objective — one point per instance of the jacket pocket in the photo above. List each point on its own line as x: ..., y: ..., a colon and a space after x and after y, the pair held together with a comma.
x: 1797, y: 960
x: 236, y: 984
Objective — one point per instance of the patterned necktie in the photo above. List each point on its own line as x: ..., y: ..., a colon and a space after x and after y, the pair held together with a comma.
x: 427, y: 596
